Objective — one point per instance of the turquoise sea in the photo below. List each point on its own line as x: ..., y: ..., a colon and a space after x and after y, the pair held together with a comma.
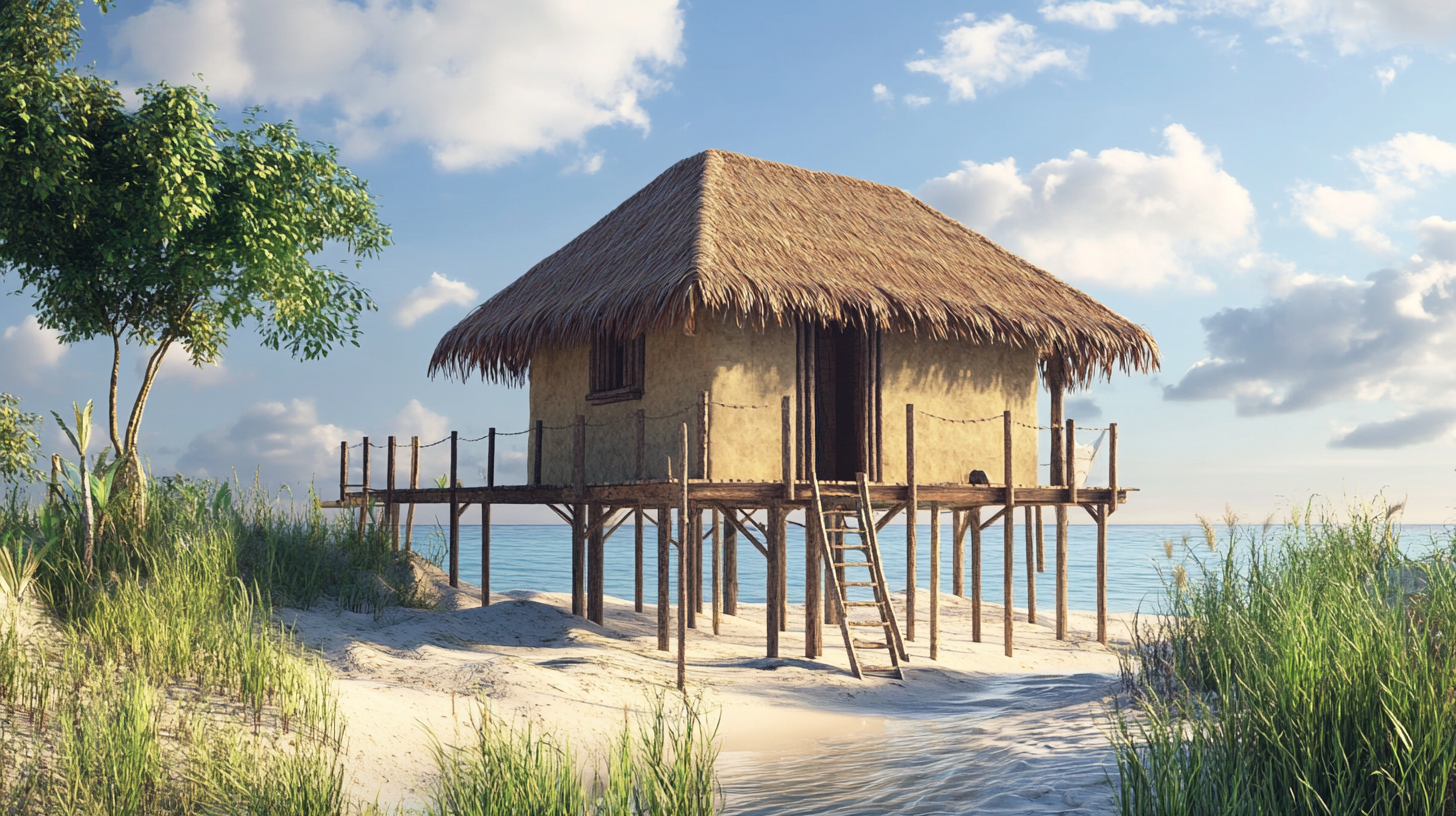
x: 538, y: 557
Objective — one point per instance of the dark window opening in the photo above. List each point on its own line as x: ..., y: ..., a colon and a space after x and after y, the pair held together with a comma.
x: 839, y: 421
x: 617, y: 369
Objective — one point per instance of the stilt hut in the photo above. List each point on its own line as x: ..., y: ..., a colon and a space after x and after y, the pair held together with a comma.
x: 749, y: 281
x: 742, y: 337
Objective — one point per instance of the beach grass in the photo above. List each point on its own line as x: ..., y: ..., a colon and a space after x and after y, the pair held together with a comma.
x: 661, y: 764
x: 1303, y: 669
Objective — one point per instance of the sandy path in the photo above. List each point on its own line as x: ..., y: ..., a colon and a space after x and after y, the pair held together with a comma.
x: 974, y: 731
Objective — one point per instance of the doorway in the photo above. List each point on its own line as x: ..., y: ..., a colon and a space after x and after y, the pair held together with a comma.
x: 842, y: 386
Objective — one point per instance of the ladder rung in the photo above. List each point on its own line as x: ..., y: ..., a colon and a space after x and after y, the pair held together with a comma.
x: 864, y: 644
x: 843, y: 530
x: 851, y: 564
x: 889, y: 669
x: 868, y: 623
x: 864, y: 547
x: 857, y: 583
x: 861, y: 603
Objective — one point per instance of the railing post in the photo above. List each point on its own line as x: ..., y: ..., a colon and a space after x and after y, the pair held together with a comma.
x: 1009, y: 523
x: 454, y: 510
x: 485, y: 522
x: 1112, y: 465
x: 578, y: 519
x: 786, y: 438
x: 364, y: 491
x: 536, y: 452
x: 409, y: 519
x: 343, y: 470
x: 389, y: 506
x: 912, y: 507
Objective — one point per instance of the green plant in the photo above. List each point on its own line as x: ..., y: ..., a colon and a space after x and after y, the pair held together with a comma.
x: 19, y: 559
x: 19, y: 441
x: 81, y: 439
x: 1308, y: 670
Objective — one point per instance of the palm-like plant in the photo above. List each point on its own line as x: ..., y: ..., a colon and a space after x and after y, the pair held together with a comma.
x: 82, y: 439
x: 19, y: 560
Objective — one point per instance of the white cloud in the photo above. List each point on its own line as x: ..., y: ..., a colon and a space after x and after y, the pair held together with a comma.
x: 438, y: 293
x: 977, y: 56
x: 1387, y: 73
x: 480, y: 82
x: 1438, y: 238
x: 1352, y: 25
x: 1389, y: 338
x: 1105, y: 16
x: 882, y: 94
x: 1224, y: 42
x: 287, y: 443
x: 913, y: 101
x: 27, y: 349
x: 1393, y: 170
x: 1120, y: 218
x: 586, y: 165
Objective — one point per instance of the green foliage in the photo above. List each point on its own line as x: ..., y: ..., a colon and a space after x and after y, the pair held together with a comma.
x: 19, y: 559
x: 161, y: 225
x: 662, y: 767
x: 1307, y: 672
x: 19, y: 441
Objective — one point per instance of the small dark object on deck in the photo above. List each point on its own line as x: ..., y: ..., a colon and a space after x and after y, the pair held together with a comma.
x: 979, y: 477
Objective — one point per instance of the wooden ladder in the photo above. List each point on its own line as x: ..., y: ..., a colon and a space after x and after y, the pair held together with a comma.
x: 863, y: 557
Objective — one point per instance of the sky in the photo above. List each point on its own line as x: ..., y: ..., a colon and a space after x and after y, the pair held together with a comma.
x: 1268, y: 186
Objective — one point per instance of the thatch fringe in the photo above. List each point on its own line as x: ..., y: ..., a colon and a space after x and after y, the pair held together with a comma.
x: 770, y: 244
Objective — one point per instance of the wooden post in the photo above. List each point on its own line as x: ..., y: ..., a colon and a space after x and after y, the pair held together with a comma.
x: 343, y: 471
x: 786, y: 438
x: 485, y: 522
x: 664, y: 563
x: 693, y: 554
x: 595, y: 564
x: 638, y: 519
x: 1112, y: 465
x: 717, y: 521
x: 730, y: 570
x: 958, y: 552
x: 1040, y: 542
x: 836, y: 540
x: 1030, y: 568
x: 1057, y: 385
x: 536, y: 452
x: 935, y: 580
x: 682, y: 583
x: 813, y: 563
x: 389, y: 509
x: 409, y: 519
x: 1007, y: 616
x: 1102, y: 576
x: 782, y: 533
x: 364, y: 488
x: 578, y: 518
x: 703, y: 469
x: 912, y: 508
x: 771, y: 590
x: 1069, y: 472
x: 975, y: 527
x: 454, y: 510
x: 1071, y: 461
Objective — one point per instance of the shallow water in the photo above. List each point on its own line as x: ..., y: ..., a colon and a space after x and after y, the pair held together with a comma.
x: 529, y: 556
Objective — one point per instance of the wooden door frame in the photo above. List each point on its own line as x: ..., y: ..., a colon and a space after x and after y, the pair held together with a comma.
x: 870, y: 401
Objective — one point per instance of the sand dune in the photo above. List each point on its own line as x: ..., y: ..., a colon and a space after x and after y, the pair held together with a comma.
x: 974, y: 731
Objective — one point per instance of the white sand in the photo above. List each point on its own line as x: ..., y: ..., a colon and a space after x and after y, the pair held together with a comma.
x: 974, y: 731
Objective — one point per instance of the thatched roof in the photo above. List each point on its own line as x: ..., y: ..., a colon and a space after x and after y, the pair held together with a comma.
x: 722, y: 233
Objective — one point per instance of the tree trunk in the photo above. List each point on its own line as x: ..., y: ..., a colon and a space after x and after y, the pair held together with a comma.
x: 131, y: 482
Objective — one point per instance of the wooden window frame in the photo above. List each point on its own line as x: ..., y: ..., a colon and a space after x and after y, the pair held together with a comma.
x: 610, y: 383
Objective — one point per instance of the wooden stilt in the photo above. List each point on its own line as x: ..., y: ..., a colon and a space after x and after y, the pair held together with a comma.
x: 958, y: 552
x: 1040, y: 542
x: 693, y: 556
x: 717, y: 572
x: 343, y: 470
x: 1007, y: 616
x: 782, y: 533
x: 389, y: 511
x: 578, y: 519
x: 974, y: 525
x: 637, y: 533
x: 911, y: 514
x: 454, y: 509
x: 1102, y: 575
x: 1030, y: 567
x: 935, y: 580
x: 730, y: 570
x: 836, y: 540
x: 813, y: 578
x: 772, y: 588
x: 682, y: 578
x: 485, y: 522
x: 1061, y: 577
x: 664, y: 563
x: 1112, y: 465
x: 409, y: 519
x: 364, y: 488
x: 595, y: 565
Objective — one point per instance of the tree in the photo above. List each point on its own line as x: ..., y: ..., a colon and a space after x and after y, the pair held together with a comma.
x: 19, y: 441
x: 161, y: 226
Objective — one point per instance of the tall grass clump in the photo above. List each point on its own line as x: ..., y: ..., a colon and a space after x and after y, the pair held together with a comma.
x: 662, y: 765
x: 1302, y: 670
